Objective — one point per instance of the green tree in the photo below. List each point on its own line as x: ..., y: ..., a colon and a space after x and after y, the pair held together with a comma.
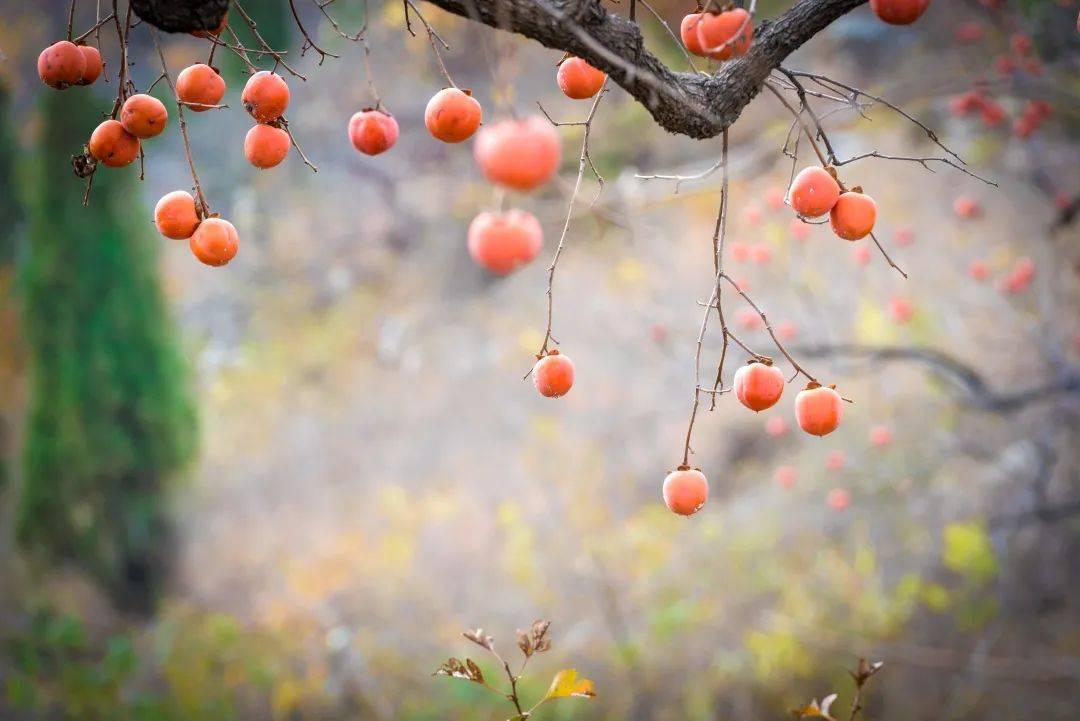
x: 11, y: 217
x: 110, y: 416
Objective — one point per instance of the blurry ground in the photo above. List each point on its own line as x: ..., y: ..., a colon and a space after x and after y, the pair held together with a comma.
x: 376, y: 476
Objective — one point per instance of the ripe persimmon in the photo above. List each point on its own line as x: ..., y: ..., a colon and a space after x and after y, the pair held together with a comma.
x: 144, y: 116
x: 373, y: 131
x: 798, y: 229
x: 978, y: 270
x: 265, y: 96
x: 758, y: 385
x: 786, y: 476
x: 787, y: 330
x: 216, y: 32
x: 265, y: 146
x: 61, y: 65
x: 761, y: 253
x: 814, y: 192
x: 215, y: 241
x: 835, y: 461
x: 502, y: 242
x: 853, y: 215
x: 688, y: 33
x: 966, y: 207
x: 578, y: 80
x: 880, y: 436
x: 520, y: 154
x: 200, y: 87
x: 740, y: 251
x: 901, y: 309
x: 453, y: 115
x: 838, y: 499
x: 818, y: 409
x: 861, y: 253
x: 899, y: 12
x: 112, y: 145
x: 776, y: 426
x: 685, y: 491
x: 175, y: 215
x: 727, y: 34
x: 94, y: 65
x: 553, y: 375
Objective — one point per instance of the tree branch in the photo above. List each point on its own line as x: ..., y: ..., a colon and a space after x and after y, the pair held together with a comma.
x: 979, y: 394
x: 700, y: 106
x: 181, y: 16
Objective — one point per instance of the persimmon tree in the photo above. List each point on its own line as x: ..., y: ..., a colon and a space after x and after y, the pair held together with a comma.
x: 732, y: 54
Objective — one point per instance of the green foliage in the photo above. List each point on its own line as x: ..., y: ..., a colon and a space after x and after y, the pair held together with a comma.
x: 110, y: 417
x: 10, y: 209
x: 967, y: 551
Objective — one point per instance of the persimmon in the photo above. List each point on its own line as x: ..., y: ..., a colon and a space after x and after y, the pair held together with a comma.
x: 748, y: 319
x: 992, y: 114
x: 265, y: 96
x: 966, y: 207
x: 835, y: 461
x: 904, y: 236
x: 814, y: 192
x: 978, y: 271
x: 786, y: 476
x: 685, y: 491
x: 266, y: 146
x: 899, y: 12
x: 503, y: 242
x: 216, y: 32
x: 688, y: 34
x: 740, y: 252
x: 112, y: 145
x: 1019, y: 277
x: 758, y: 385
x: 520, y: 154
x: 838, y: 499
x: 776, y: 426
x: 94, y: 65
x: 553, y: 375
x: 200, y: 87
x: 901, y: 309
x: 215, y: 241
x: 880, y: 436
x: 726, y: 34
x: 453, y: 115
x: 61, y: 65
x: 861, y: 254
x: 853, y: 216
x: 787, y: 330
x: 818, y: 409
x: 761, y: 253
x: 175, y: 215
x: 658, y: 332
x: 578, y: 80
x: 969, y: 31
x: 144, y: 116
x: 373, y: 131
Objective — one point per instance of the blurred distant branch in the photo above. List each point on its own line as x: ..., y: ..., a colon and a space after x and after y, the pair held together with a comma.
x: 978, y: 391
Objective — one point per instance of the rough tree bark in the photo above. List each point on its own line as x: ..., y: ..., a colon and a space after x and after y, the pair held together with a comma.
x: 693, y: 104
x: 181, y: 16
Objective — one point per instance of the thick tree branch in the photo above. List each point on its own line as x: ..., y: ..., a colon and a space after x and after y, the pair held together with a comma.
x: 697, y: 105
x: 181, y: 16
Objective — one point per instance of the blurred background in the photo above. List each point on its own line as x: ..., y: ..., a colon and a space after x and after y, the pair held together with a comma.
x: 281, y: 489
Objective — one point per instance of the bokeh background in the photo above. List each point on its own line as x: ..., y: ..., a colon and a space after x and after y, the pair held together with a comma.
x: 281, y: 489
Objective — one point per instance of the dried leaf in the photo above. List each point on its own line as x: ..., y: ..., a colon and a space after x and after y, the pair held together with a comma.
x: 479, y: 638
x: 524, y: 642
x: 566, y: 684
x: 539, y: 632
x: 456, y: 668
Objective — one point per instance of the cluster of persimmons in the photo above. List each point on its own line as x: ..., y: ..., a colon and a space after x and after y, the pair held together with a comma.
x: 519, y: 154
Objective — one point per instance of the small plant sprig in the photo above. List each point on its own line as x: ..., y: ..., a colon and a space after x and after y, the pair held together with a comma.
x: 861, y: 676
x: 565, y: 683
